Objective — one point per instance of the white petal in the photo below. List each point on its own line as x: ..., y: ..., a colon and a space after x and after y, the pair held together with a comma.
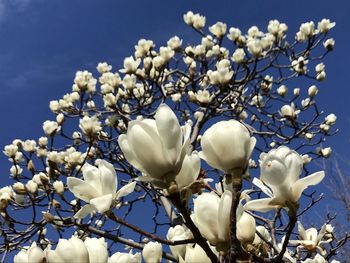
x: 169, y: 131
x: 21, y: 257
x: 128, y: 153
x: 84, y: 211
x: 108, y: 178
x: 260, y: 205
x: 300, y: 185
x: 145, y: 143
x: 301, y: 230
x: 263, y: 187
x: 246, y: 228
x: 91, y: 175
x: 81, y: 189
x: 35, y: 254
x: 81, y: 253
x: 224, y: 216
x: 189, y: 170
x: 102, y: 203
x: 126, y: 190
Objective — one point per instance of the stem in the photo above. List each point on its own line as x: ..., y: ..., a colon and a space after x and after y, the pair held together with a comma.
x: 236, y: 250
x: 200, y: 240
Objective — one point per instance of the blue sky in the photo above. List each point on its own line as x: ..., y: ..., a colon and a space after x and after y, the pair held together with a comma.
x: 44, y: 42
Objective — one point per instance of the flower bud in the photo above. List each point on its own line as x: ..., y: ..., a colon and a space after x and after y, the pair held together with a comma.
x: 152, y: 252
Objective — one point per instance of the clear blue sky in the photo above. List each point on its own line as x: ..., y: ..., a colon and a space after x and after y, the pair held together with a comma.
x: 43, y: 43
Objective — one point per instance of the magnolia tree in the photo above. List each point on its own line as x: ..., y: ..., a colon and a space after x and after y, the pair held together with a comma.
x: 189, y: 153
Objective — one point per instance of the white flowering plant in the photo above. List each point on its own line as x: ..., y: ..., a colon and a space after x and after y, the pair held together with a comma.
x: 175, y: 135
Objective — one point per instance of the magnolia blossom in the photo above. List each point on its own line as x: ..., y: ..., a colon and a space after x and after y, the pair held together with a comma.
x: 218, y: 29
x: 68, y: 250
x: 50, y: 127
x: 325, y: 25
x: 282, y: 90
x: 169, y: 160
x: 178, y: 232
x: 289, y: 111
x: 152, y: 252
x: 58, y: 186
x: 103, y: 67
x: 310, y: 239
x: 212, y: 217
x: 227, y: 146
x: 238, y: 56
x: 195, y: 254
x: 90, y: 126
x: 97, y: 249
x: 195, y: 20
x: 331, y: 119
x: 130, y: 65
x: 280, y: 172
x: 174, y: 43
x: 223, y: 73
x: 125, y: 257
x: 98, y: 188
x: 33, y: 254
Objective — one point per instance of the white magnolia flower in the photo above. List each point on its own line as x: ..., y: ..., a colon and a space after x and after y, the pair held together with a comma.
x: 50, y: 127
x: 174, y: 43
x: 97, y: 249
x: 289, y: 112
x: 212, y: 217
x: 331, y: 119
x: 152, y: 252
x: 196, y: 254
x: 84, y: 81
x: 103, y: 67
x: 29, y: 145
x: 10, y: 150
x: 276, y: 28
x: 296, y: 92
x: 211, y: 214
x: 223, y: 74
x: 68, y: 250
x: 325, y: 152
x: 280, y: 172
x: 306, y: 31
x: 33, y: 254
x: 329, y: 44
x: 130, y: 65
x: 143, y: 47
x: 312, y: 91
x: 310, y: 239
x: 282, y: 90
x: 218, y: 29
x: 98, y: 188
x: 169, y: 159
x: 235, y: 34
x: 129, y: 81
x: 195, y: 20
x: 176, y: 233
x: 125, y: 257
x: 58, y: 186
x: 227, y: 146
x: 32, y: 186
x: 90, y: 126
x: 325, y: 25
x: 238, y: 56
